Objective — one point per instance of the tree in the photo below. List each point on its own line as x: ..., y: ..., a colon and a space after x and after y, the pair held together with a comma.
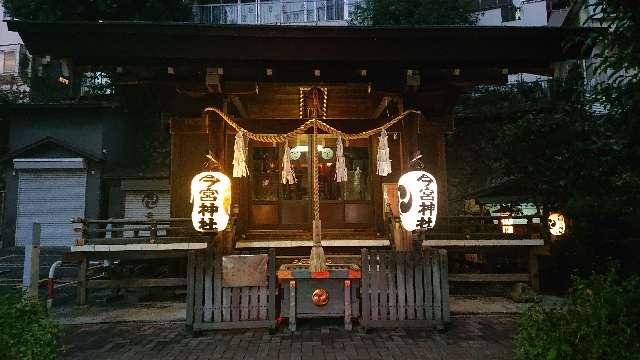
x: 415, y: 12
x: 82, y: 10
x: 576, y: 149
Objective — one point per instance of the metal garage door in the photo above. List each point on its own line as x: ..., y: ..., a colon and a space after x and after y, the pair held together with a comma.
x: 141, y: 204
x: 146, y: 204
x: 50, y: 197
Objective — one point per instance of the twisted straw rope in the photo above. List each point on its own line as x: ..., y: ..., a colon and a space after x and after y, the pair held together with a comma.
x: 316, y: 183
x: 267, y: 138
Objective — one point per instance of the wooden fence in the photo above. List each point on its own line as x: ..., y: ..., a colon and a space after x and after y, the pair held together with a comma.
x: 401, y: 289
x: 212, y: 306
x: 131, y: 242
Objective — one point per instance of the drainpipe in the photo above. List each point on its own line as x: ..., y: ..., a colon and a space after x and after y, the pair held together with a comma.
x: 52, y: 272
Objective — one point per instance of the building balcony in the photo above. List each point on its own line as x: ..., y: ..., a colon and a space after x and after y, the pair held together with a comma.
x: 289, y: 12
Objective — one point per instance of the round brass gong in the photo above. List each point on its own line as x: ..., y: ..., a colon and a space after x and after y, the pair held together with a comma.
x: 320, y: 297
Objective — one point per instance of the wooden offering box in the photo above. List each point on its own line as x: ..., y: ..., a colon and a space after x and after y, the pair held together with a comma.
x: 331, y: 293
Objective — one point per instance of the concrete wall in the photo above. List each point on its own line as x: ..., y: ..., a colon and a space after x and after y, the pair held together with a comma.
x: 6, y: 36
x: 532, y: 14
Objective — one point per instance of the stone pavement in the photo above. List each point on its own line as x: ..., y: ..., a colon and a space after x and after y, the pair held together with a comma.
x: 469, y: 337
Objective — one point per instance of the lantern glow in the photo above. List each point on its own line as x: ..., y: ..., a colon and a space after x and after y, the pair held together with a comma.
x: 211, y: 199
x: 418, y: 200
x: 507, y: 223
x: 556, y: 224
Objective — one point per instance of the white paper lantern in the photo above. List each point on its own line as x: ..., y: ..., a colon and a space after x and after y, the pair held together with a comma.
x: 211, y: 199
x: 556, y: 224
x: 418, y: 198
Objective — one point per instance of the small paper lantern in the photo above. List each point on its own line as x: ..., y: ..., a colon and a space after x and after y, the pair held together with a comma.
x: 211, y: 199
x: 507, y: 223
x: 556, y: 224
x: 418, y: 200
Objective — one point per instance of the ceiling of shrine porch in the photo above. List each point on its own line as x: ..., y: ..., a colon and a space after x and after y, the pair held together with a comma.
x: 282, y: 101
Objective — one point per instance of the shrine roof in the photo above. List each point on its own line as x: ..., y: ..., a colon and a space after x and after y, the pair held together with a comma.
x: 139, y: 43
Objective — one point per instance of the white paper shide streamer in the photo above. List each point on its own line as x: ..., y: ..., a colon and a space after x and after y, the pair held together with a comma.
x: 341, y: 167
x: 384, y: 163
x: 288, y: 175
x: 240, y: 157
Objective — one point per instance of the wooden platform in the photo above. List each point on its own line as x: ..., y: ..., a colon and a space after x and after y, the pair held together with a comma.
x: 139, y: 247
x: 488, y: 242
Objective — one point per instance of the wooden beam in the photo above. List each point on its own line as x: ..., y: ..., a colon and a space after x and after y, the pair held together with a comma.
x: 472, y: 243
x: 384, y: 102
x: 227, y: 325
x: 135, y: 283
x: 516, y: 277
x: 239, y: 106
x: 139, y: 247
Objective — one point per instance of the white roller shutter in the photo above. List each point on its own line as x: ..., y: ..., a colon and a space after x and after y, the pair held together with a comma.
x: 50, y: 197
x: 137, y: 206
x: 141, y: 204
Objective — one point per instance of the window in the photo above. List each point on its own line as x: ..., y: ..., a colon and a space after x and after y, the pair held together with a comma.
x: 96, y: 83
x: 357, y: 161
x: 511, y: 13
x: 9, y: 59
x: 265, y: 173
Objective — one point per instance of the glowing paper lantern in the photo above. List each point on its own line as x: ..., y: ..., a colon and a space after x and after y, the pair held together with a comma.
x: 418, y: 197
x: 507, y: 223
x: 211, y: 199
x: 556, y: 224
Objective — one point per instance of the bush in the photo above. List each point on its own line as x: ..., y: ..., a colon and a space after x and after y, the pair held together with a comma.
x: 600, y: 321
x: 25, y: 331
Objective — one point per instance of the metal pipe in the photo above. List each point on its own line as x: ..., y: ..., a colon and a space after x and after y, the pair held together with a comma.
x: 50, y: 285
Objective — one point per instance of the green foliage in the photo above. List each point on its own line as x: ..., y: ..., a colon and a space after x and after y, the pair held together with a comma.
x: 616, y: 50
x: 601, y: 321
x: 13, y: 96
x: 79, y: 10
x: 415, y: 12
x: 573, y: 144
x: 25, y: 331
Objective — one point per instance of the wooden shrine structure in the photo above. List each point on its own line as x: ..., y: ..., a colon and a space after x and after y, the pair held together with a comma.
x: 260, y: 76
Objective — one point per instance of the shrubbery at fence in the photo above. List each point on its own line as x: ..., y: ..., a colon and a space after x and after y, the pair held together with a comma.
x: 601, y: 321
x: 25, y: 331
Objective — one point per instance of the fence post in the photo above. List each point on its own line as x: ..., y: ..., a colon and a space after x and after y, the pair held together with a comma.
x: 31, y: 270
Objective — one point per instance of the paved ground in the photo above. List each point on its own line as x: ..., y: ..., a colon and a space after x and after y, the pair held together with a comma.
x: 469, y: 337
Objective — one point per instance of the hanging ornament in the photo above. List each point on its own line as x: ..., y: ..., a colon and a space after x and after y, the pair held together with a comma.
x: 341, y: 167
x: 356, y: 177
x: 384, y: 163
x: 288, y: 175
x: 240, y: 157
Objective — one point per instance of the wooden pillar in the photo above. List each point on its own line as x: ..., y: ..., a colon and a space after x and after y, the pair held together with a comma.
x: 534, y: 272
x: 189, y: 145
x: 347, y: 305
x: 292, y: 305
x: 31, y: 268
x: 82, y: 279
x: 410, y: 144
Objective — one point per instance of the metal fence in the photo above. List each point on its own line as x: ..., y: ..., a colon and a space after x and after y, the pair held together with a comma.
x: 275, y: 12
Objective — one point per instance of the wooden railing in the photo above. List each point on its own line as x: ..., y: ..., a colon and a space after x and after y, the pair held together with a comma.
x: 136, y: 231
x: 485, y: 228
